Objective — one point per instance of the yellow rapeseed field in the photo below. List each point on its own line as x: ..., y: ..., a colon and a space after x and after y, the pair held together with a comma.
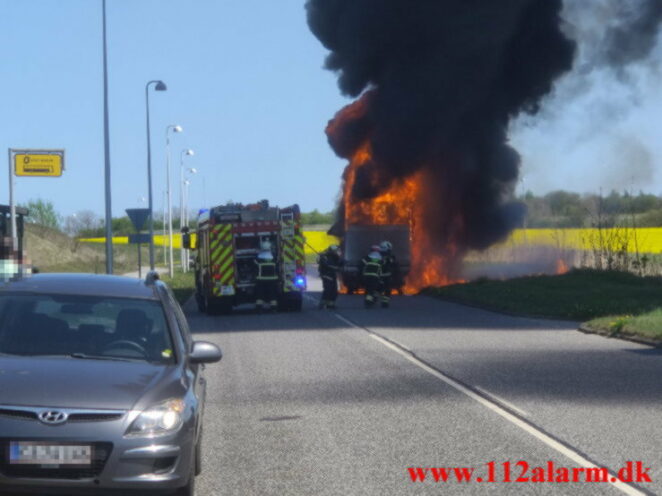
x: 644, y: 240
x: 316, y: 241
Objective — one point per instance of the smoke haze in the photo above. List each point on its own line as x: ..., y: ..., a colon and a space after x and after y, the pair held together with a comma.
x: 600, y: 127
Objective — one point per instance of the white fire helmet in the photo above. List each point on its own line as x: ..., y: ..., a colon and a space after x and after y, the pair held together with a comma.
x: 385, y: 246
x: 375, y: 256
x: 265, y: 255
x: 376, y: 248
x: 265, y: 246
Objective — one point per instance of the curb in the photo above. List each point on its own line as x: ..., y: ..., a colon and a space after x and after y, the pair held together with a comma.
x: 606, y: 334
x: 625, y: 337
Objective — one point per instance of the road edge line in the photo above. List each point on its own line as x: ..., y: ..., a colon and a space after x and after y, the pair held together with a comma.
x: 502, y: 410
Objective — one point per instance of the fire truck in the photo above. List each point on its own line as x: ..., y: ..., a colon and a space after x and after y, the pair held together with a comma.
x: 228, y: 240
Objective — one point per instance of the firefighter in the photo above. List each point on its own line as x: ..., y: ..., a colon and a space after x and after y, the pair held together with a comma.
x: 266, y: 281
x: 329, y: 264
x: 371, y: 269
x: 390, y: 272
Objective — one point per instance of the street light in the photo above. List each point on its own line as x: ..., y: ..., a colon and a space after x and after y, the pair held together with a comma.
x: 185, y: 153
x: 164, y: 227
x: 106, y: 146
x: 175, y: 129
x: 158, y: 86
x: 186, y: 183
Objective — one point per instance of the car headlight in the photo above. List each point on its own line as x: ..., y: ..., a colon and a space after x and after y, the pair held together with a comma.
x: 164, y: 418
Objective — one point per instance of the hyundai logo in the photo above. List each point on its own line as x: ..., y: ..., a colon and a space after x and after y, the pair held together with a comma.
x: 53, y: 417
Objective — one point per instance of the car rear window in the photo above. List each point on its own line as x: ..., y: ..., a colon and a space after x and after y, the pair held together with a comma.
x: 86, y: 326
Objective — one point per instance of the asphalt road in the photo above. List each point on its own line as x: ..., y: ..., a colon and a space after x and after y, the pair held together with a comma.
x: 344, y: 403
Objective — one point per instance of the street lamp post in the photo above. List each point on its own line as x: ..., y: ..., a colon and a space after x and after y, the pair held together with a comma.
x: 158, y: 86
x: 106, y: 141
x: 184, y: 153
x: 163, y: 238
x: 171, y: 264
x: 187, y: 183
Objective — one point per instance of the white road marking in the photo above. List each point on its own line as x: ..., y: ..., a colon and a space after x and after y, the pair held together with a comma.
x: 499, y: 410
x: 499, y: 399
x: 349, y: 323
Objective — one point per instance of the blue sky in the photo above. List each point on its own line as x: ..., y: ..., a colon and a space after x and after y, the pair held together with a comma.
x: 245, y: 80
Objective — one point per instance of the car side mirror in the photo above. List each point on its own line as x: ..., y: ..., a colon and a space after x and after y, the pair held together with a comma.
x: 204, y: 352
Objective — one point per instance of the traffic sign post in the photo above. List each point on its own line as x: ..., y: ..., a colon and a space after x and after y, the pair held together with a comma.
x: 139, y: 238
x: 31, y: 163
x: 138, y: 217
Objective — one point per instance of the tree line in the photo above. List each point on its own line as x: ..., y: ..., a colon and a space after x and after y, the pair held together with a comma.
x: 87, y: 224
x: 563, y: 209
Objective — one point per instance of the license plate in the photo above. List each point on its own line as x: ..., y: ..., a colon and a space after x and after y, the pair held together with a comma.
x: 227, y: 290
x: 39, y: 453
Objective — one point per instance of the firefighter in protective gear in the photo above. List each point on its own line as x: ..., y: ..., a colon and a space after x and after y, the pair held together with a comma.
x: 390, y: 272
x: 371, y: 270
x: 329, y: 264
x: 266, y: 280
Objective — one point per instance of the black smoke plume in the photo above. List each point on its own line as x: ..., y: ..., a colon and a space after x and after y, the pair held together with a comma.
x: 635, y: 37
x: 441, y: 80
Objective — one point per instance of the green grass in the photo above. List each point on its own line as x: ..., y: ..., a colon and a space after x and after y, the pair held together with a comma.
x: 53, y: 251
x: 182, y: 284
x: 648, y: 325
x: 578, y: 295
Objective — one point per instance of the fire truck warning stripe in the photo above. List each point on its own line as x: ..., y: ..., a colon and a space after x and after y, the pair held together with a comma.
x: 224, y: 268
x: 288, y: 251
x: 222, y: 240
x: 223, y: 255
x: 217, y: 251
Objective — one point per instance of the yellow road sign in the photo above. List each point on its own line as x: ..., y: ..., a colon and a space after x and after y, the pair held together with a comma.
x: 50, y: 164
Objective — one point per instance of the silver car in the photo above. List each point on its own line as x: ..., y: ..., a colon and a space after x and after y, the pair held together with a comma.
x: 101, y: 387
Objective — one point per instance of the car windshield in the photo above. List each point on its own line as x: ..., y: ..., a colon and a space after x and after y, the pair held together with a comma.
x: 84, y: 327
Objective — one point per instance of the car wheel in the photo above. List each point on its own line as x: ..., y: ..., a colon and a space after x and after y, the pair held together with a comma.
x: 296, y: 304
x: 200, y: 300
x: 225, y: 307
x: 189, y: 488
x: 198, y: 455
x: 211, y: 307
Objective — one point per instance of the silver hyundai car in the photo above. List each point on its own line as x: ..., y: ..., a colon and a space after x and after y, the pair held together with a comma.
x: 101, y: 387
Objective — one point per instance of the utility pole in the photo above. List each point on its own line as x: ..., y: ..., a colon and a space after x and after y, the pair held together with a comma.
x: 106, y: 138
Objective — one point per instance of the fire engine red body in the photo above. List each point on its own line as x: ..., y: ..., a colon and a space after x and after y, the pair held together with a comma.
x: 229, y: 238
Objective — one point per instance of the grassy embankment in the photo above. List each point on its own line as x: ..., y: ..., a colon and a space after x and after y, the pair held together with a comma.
x: 612, y: 302
x: 51, y: 250
x: 182, y: 284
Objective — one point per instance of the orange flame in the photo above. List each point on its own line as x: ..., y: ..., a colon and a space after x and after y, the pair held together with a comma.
x: 561, y: 267
x: 403, y: 202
